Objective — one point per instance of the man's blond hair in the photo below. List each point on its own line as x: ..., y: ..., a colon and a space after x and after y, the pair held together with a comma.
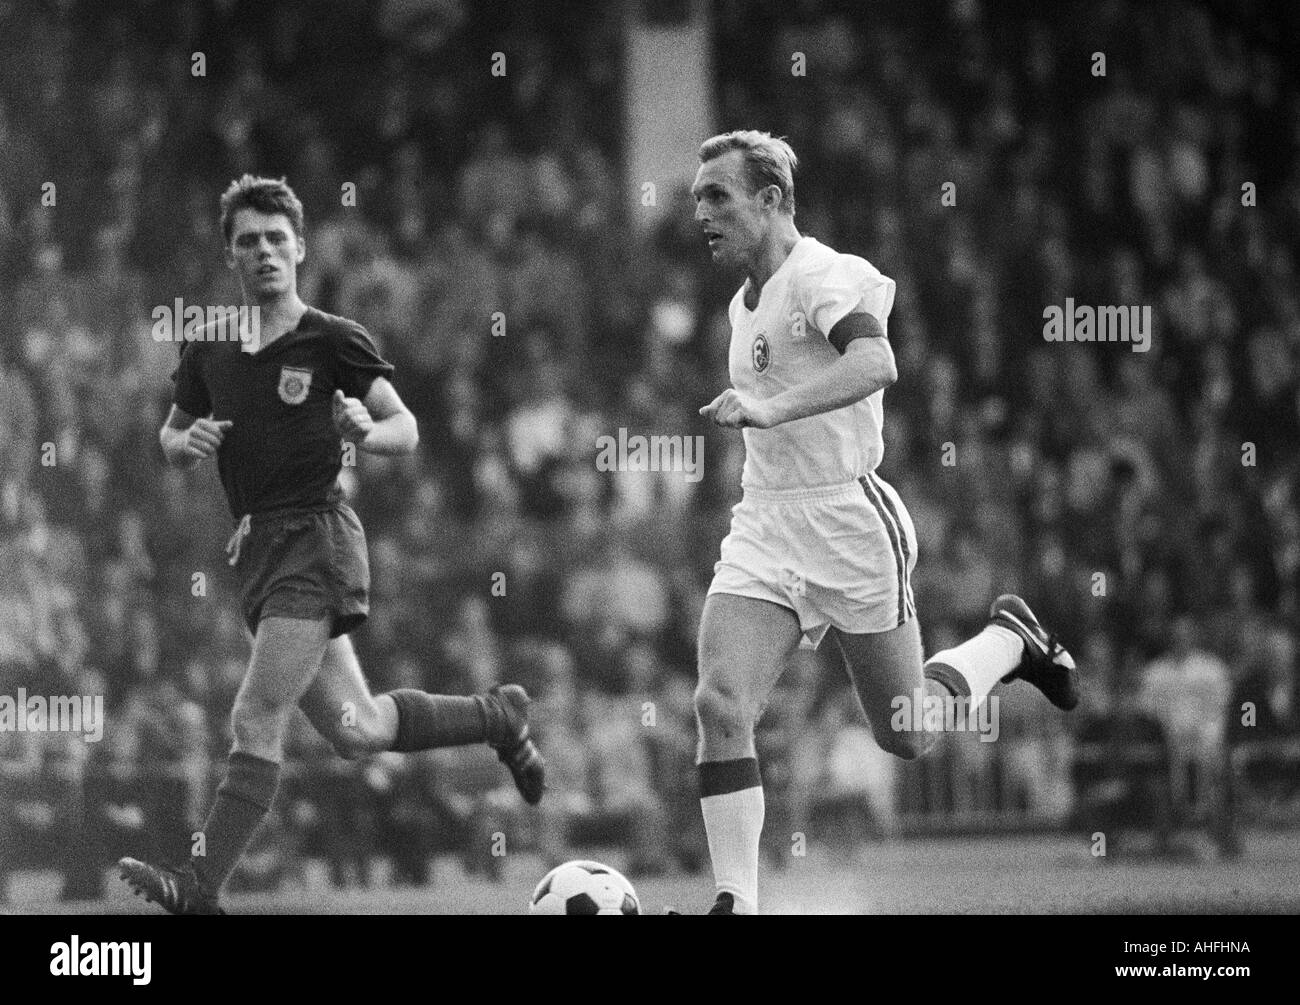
x: 769, y: 160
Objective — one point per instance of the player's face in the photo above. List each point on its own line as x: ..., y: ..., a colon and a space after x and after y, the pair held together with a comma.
x: 265, y: 252
x: 731, y: 216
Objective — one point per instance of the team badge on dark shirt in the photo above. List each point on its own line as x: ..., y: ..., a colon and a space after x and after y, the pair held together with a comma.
x: 294, y: 383
x: 283, y: 451
x: 761, y: 355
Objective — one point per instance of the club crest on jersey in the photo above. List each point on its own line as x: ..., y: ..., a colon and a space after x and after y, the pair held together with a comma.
x: 294, y: 384
x: 762, y: 354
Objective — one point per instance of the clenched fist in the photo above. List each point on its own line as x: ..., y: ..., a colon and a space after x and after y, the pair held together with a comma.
x: 736, y: 411
x: 203, y: 437
x: 351, y: 417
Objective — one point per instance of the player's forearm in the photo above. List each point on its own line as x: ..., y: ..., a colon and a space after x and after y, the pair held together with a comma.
x: 394, y: 435
x: 173, y: 448
x: 846, y: 382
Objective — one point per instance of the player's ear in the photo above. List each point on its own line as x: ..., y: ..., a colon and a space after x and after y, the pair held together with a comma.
x: 302, y: 249
x: 229, y: 255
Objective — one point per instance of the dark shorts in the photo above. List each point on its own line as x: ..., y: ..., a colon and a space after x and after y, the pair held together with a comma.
x: 307, y: 564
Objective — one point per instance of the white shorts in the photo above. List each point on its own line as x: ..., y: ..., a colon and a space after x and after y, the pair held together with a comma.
x: 840, y: 555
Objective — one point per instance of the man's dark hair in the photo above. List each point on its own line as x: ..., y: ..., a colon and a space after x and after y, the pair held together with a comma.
x: 266, y: 195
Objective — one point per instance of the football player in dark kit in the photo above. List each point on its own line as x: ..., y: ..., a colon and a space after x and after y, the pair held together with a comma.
x: 274, y: 410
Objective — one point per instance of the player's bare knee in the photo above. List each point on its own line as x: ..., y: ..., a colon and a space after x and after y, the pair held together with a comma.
x: 922, y: 743
x: 349, y: 746
x: 907, y: 744
x: 720, y: 710
x: 357, y: 741
x: 260, y: 739
x: 258, y: 725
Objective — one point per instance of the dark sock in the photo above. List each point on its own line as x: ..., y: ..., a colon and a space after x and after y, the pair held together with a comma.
x: 717, y: 778
x: 426, y: 721
x: 243, y: 799
x: 947, y: 678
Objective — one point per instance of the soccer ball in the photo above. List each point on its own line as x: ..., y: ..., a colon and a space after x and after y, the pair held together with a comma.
x: 584, y: 888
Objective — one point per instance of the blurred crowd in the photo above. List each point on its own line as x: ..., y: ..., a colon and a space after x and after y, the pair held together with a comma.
x: 1148, y: 504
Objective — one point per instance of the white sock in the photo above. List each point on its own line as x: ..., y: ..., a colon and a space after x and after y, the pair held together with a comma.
x: 733, y: 822
x: 983, y: 660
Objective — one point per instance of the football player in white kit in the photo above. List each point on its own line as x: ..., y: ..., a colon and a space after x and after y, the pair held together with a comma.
x: 819, y: 543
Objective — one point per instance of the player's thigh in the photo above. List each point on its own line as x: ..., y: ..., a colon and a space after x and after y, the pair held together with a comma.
x: 340, y: 698
x: 883, y: 666
x: 287, y: 655
x: 745, y: 645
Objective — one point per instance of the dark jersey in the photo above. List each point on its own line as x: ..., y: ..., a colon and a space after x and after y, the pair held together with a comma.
x: 282, y: 450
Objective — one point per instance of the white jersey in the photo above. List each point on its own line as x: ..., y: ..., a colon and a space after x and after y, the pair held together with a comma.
x: 783, y: 343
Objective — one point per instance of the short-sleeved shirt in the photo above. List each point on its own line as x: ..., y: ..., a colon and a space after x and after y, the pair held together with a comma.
x: 784, y: 342
x: 282, y: 451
